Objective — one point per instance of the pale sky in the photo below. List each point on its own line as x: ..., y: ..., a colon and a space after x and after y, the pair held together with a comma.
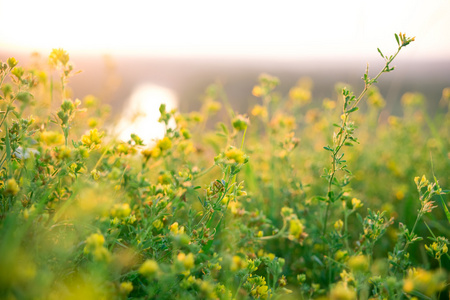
x: 232, y: 28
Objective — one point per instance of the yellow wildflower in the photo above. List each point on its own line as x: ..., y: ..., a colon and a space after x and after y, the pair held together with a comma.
x: 11, y: 187
x: 359, y: 263
x: 235, y: 155
x: 52, y: 138
x: 149, y: 268
x: 126, y: 287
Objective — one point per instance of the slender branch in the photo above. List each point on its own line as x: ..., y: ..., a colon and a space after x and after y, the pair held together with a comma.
x: 343, y: 135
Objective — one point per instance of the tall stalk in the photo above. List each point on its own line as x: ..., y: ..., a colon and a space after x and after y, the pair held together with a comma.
x: 344, y: 135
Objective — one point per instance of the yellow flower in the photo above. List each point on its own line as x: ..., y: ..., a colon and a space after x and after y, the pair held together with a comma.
x: 164, y: 144
x: 11, y: 187
x: 446, y: 93
x: 158, y: 224
x: 12, y: 62
x: 412, y: 99
x: 122, y: 148
x: 175, y: 229
x: 122, y: 210
x: 237, y: 263
x: 347, y: 277
x: 95, y: 240
x: 340, y: 254
x: 425, y: 282
x: 286, y: 211
x: 262, y: 291
x: 196, y: 117
x: 52, y: 138
x: 300, y: 95
x: 93, y: 138
x: 64, y: 153
x: 101, y: 254
x: 328, y: 104
x: 92, y: 122
x: 259, y: 110
x: 342, y: 291
x: 90, y: 101
x: 147, y: 153
x: 295, y: 229
x: 257, y: 91
x: 359, y: 263
x: 185, y: 132
x: 58, y: 56
x: 94, y: 246
x: 186, y: 260
x: 235, y: 155
x: 149, y: 268
x: 126, y: 287
x: 95, y: 174
x: 207, y: 290
x: 338, y: 225
x: 213, y: 106
x: 356, y: 203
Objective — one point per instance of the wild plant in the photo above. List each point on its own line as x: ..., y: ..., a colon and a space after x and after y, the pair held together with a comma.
x: 225, y: 212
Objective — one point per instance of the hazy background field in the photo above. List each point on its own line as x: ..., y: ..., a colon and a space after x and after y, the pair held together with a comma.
x: 186, y: 46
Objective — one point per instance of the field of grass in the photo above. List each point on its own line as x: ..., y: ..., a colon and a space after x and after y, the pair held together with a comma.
x: 299, y: 198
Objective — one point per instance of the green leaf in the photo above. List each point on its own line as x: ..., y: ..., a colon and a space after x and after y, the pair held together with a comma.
x: 340, y: 195
x: 221, y: 134
x: 316, y: 259
x: 162, y: 109
x: 328, y: 148
x: 380, y: 52
x: 224, y: 128
x: 320, y: 198
x: 24, y: 97
x: 398, y: 41
x: 331, y: 196
x: 352, y: 109
x: 447, y: 212
x: 419, y: 294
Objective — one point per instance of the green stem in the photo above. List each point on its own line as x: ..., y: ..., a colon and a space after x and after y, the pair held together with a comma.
x: 325, y: 221
x: 239, y: 286
x: 346, y: 229
x: 343, y: 134
x: 278, y: 234
x: 412, y: 231
x: 198, y: 175
x: 243, y: 139
x: 367, y: 86
x: 3, y: 78
x: 7, y: 111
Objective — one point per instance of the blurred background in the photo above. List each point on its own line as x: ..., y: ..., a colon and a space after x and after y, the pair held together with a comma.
x: 148, y: 51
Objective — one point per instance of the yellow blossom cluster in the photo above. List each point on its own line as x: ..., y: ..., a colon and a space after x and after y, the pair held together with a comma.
x: 424, y: 282
x: 93, y: 139
x: 94, y: 246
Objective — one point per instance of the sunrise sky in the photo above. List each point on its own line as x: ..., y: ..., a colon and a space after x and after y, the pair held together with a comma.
x: 242, y: 29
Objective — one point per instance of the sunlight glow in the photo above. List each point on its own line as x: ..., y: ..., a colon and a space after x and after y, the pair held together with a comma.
x: 141, y: 113
x: 247, y: 29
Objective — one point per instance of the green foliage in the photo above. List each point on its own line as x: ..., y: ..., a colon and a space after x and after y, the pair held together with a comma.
x: 242, y: 211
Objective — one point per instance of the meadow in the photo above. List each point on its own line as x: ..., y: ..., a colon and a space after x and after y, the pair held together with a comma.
x: 297, y: 198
